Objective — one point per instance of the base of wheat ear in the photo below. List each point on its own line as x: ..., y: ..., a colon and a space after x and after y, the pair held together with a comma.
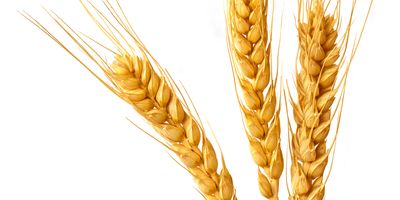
x: 136, y: 77
x: 249, y: 48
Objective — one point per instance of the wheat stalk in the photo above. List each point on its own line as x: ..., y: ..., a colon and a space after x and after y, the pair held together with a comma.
x: 249, y: 49
x: 322, y: 56
x: 136, y: 77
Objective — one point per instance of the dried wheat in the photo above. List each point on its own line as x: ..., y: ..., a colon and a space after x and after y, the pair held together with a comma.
x: 137, y: 78
x: 249, y: 49
x: 321, y: 56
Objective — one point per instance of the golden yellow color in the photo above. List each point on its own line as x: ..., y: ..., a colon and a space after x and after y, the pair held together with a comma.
x: 321, y: 56
x: 151, y: 95
x: 135, y: 76
x: 249, y: 49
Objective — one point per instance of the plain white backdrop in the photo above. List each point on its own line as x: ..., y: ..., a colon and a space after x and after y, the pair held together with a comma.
x: 64, y: 136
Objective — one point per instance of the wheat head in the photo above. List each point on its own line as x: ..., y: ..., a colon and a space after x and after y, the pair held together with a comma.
x: 136, y: 77
x: 153, y: 98
x: 318, y: 54
x: 249, y: 49
x: 322, y: 57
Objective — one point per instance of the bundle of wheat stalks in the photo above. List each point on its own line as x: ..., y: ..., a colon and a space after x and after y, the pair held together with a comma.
x: 136, y: 77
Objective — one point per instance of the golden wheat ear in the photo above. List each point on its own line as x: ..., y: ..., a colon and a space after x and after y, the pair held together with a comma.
x: 136, y: 77
x: 320, y: 85
x: 250, y: 53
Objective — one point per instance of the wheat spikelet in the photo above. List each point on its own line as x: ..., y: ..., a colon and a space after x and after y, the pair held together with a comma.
x: 250, y: 56
x: 138, y: 79
x: 321, y: 56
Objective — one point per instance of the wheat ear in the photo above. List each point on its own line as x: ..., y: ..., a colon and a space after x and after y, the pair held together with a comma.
x: 250, y: 57
x: 322, y: 56
x: 138, y: 79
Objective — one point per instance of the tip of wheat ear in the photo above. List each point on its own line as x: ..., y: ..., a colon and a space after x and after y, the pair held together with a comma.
x: 135, y: 76
x: 250, y: 57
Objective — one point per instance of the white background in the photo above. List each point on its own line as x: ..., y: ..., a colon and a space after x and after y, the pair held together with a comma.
x: 64, y: 136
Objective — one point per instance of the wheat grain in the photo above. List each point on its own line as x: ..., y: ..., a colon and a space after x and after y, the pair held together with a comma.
x: 250, y: 57
x: 137, y: 78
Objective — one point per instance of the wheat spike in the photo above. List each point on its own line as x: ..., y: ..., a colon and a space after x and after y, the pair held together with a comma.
x: 318, y: 84
x: 249, y: 49
x: 138, y: 79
